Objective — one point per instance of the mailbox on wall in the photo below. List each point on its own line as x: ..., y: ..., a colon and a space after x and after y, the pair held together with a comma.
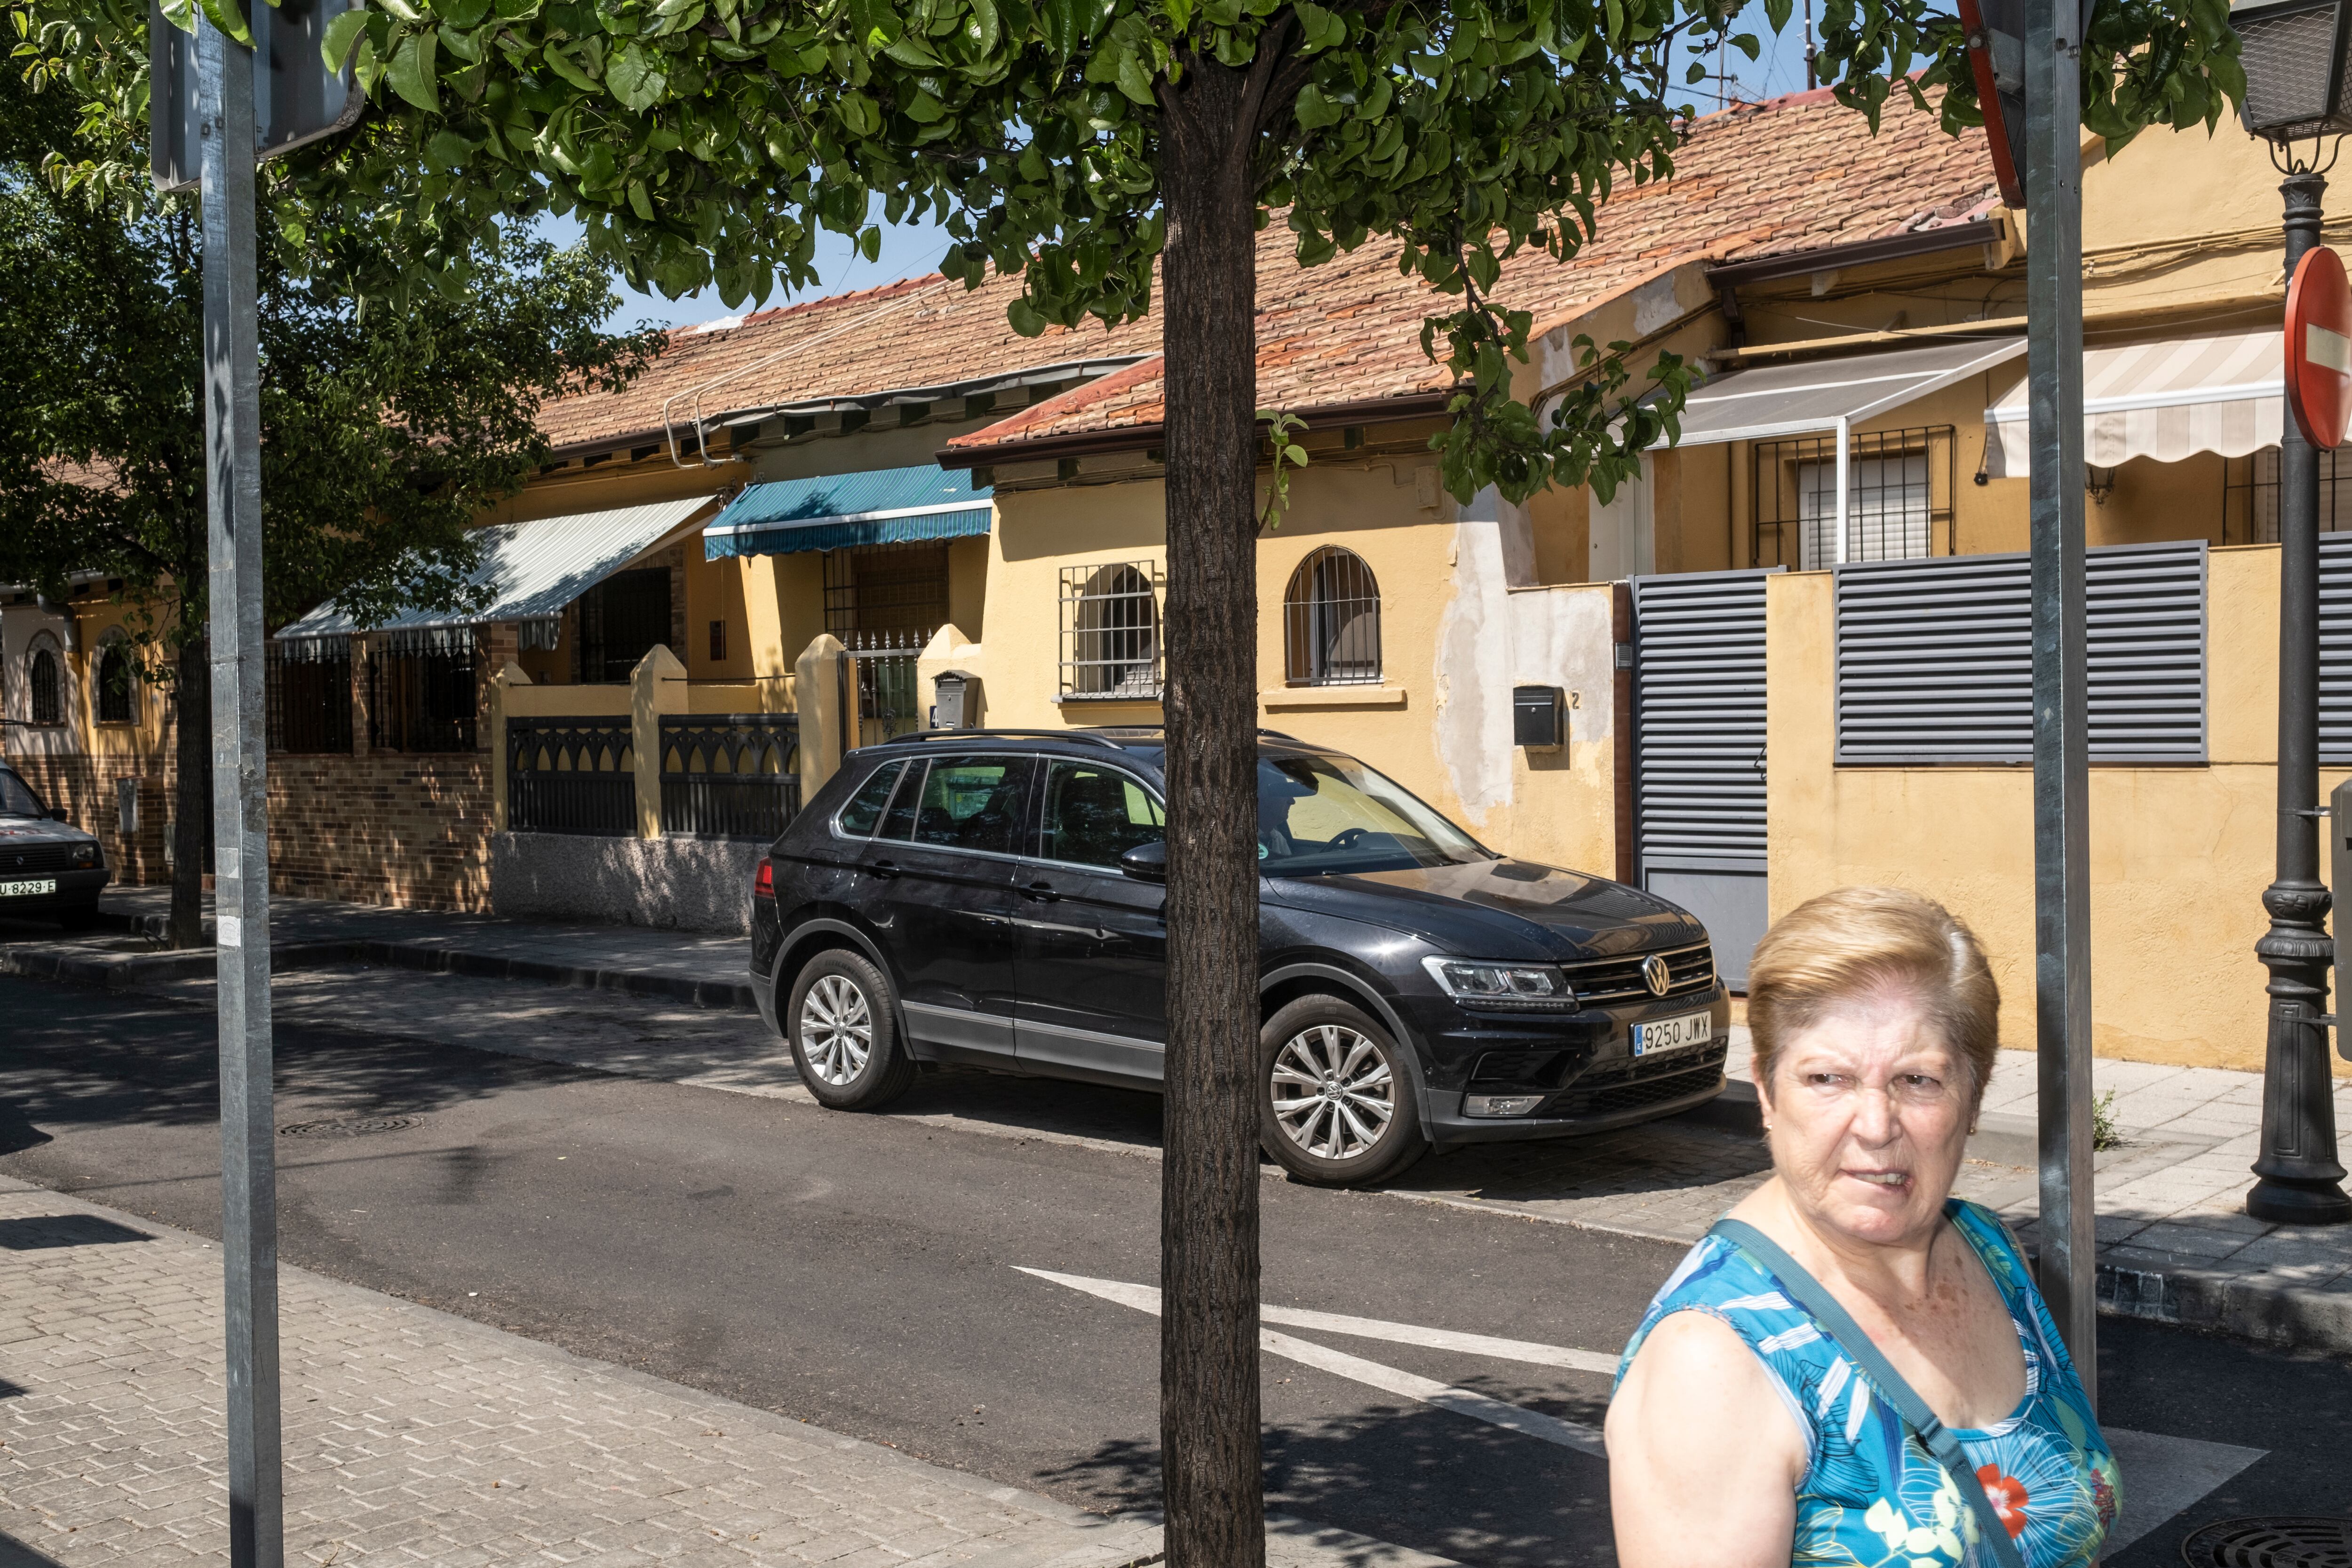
x: 955, y: 700
x: 1538, y: 717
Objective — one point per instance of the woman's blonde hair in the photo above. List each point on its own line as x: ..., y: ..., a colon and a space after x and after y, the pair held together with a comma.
x: 1855, y: 940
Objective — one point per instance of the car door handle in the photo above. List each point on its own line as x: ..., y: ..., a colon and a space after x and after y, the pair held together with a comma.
x: 1042, y: 891
x: 885, y: 869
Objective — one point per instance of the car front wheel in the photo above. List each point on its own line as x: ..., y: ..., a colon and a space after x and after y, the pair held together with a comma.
x: 1335, y: 1102
x: 843, y: 1024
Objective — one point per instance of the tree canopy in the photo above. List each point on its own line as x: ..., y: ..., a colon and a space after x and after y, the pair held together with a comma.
x: 706, y: 141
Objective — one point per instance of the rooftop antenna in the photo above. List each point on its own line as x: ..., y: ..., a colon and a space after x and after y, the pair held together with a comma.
x: 1812, y: 82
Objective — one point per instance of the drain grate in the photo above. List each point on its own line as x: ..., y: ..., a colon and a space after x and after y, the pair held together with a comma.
x: 2270, y: 1543
x: 359, y: 1127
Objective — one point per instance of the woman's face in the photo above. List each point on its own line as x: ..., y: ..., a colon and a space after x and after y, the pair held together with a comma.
x: 1869, y: 1113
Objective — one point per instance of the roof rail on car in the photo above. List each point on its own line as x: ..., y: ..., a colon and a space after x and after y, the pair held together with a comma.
x: 1161, y: 729
x: 1098, y: 740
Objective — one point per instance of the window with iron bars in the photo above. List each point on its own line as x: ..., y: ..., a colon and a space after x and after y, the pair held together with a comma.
x: 421, y: 690
x: 2249, y: 497
x: 1332, y: 622
x: 1110, y: 631
x: 621, y: 620
x: 1898, y: 498
x: 308, y: 685
x: 898, y: 590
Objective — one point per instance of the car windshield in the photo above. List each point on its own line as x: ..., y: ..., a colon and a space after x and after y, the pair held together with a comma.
x: 17, y: 799
x: 1324, y: 816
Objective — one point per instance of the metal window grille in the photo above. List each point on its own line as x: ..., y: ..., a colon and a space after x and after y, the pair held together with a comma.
x: 621, y: 620
x: 2250, y: 492
x: 1898, y: 498
x: 890, y: 691
x: 1934, y: 659
x: 114, y: 684
x: 572, y: 776
x: 1332, y: 622
x: 308, y: 685
x: 1110, y: 631
x: 730, y: 775
x: 421, y: 692
x: 2335, y: 646
x: 47, y: 691
x: 897, y: 588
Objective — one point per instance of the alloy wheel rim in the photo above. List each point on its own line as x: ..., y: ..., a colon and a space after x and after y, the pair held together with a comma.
x: 837, y: 1029
x: 1333, y: 1093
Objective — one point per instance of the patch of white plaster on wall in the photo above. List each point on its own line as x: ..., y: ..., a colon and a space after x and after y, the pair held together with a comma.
x: 1654, y: 305
x: 1472, y: 723
x: 1563, y: 637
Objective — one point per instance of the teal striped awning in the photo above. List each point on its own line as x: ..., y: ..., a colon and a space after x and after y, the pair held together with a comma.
x: 835, y: 511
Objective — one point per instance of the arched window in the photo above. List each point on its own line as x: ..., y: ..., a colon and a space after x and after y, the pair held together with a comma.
x: 115, y: 676
x: 1110, y: 620
x: 1332, y: 622
x: 44, y: 683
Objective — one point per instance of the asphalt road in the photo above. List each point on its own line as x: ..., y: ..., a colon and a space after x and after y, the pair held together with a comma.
x: 865, y: 1273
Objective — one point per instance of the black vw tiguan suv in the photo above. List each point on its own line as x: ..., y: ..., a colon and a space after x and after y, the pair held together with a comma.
x: 992, y: 897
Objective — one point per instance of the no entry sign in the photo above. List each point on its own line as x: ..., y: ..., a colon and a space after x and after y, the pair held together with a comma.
x: 2319, y: 348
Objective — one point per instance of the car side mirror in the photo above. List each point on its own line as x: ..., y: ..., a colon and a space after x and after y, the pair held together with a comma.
x: 60, y: 813
x: 1147, y: 862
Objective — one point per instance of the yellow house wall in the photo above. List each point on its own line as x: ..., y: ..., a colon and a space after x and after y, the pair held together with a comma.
x: 1456, y: 634
x: 2180, y: 856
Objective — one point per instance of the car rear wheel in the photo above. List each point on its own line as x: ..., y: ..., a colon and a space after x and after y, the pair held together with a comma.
x: 842, y: 1021
x: 1335, y: 1104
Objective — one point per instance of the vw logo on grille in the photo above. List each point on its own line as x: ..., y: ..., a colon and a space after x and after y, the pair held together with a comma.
x: 1656, y: 976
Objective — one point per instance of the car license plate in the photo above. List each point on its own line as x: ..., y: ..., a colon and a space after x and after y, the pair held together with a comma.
x: 1672, y: 1033
x: 28, y: 890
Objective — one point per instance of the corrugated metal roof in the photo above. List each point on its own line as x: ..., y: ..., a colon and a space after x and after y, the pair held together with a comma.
x: 833, y: 511
x: 534, y: 569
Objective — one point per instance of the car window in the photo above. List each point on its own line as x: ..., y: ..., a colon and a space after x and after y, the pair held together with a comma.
x: 17, y: 799
x: 1321, y: 815
x: 1094, y: 815
x: 857, y: 818
x: 965, y: 803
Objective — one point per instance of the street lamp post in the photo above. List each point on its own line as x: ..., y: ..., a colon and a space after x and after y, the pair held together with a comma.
x: 2294, y: 56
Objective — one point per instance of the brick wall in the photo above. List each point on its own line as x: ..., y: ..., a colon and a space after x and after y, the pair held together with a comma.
x: 383, y: 829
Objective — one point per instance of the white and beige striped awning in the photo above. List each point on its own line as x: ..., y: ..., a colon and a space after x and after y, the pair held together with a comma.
x: 2161, y: 400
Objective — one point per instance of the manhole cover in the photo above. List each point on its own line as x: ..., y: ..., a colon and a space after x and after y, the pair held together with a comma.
x: 2270, y: 1543
x: 360, y: 1127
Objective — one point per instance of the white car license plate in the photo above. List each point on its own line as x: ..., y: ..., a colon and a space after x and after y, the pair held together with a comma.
x: 1672, y: 1033
x: 28, y: 890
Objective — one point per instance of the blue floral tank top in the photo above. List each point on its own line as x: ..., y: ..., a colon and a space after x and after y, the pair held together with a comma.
x: 1872, y: 1497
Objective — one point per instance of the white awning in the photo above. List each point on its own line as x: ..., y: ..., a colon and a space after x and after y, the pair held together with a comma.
x: 2161, y: 400
x: 534, y: 569
x: 1829, y: 395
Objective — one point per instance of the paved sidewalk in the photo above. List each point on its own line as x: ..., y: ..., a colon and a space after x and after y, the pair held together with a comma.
x: 696, y: 966
x: 413, y: 1436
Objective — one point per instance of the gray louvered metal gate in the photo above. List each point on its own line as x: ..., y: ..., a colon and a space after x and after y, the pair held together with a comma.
x: 1698, y: 753
x: 2335, y: 650
x: 1934, y: 657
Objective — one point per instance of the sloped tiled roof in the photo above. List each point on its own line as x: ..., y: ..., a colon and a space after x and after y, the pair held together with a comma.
x: 925, y: 331
x: 1791, y: 174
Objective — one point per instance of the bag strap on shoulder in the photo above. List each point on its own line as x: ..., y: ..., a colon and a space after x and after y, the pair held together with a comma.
x: 1839, y: 1325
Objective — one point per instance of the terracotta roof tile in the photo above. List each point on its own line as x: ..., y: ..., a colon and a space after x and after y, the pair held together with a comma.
x: 1791, y: 174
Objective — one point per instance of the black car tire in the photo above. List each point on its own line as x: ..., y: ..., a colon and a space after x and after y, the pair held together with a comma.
x: 841, y: 1003
x: 1320, y: 1139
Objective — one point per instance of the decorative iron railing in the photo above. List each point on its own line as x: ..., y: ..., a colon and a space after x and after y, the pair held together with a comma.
x: 729, y: 775
x: 572, y: 776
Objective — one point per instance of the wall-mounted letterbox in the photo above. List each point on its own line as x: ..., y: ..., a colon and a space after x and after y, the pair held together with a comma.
x: 1538, y: 717
x: 955, y: 700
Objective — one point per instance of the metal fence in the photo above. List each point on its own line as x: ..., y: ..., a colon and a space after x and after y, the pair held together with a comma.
x: 729, y: 775
x: 889, y: 693
x: 570, y: 775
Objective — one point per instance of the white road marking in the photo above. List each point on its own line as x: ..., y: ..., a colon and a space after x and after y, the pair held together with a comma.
x: 1389, y: 1379
x: 2162, y: 1475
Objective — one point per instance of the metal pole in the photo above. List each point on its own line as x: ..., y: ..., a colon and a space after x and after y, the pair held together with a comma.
x: 240, y: 812
x: 2298, y: 1172
x: 2062, y: 891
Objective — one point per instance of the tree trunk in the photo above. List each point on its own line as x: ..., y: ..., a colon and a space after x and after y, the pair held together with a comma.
x: 1209, y: 1197
x: 192, y: 809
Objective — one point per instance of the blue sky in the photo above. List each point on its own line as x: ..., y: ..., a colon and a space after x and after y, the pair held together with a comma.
x: 910, y: 250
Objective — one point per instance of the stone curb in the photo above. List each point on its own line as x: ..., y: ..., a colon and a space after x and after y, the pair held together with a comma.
x: 129, y: 971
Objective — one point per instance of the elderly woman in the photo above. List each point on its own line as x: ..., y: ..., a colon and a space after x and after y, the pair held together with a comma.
x: 1793, y: 1393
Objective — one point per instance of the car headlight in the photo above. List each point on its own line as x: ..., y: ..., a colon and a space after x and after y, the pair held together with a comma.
x: 1485, y: 983
x: 85, y: 855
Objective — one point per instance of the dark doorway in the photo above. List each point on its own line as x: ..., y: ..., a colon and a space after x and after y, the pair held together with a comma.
x: 620, y: 620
